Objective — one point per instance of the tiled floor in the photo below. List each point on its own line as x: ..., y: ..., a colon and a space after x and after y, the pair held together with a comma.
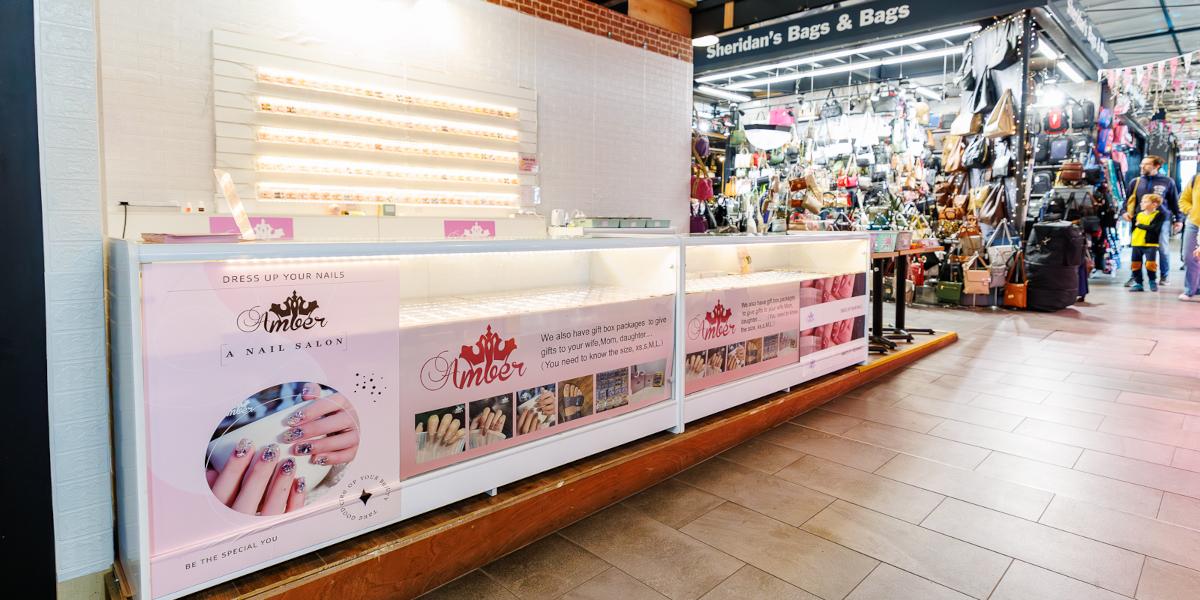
x: 1051, y: 456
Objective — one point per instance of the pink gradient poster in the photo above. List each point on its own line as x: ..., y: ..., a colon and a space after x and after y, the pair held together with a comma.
x: 473, y: 387
x: 832, y: 313
x: 271, y: 402
x: 739, y: 332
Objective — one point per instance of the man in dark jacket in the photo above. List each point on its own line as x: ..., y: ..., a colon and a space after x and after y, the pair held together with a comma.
x: 1151, y: 182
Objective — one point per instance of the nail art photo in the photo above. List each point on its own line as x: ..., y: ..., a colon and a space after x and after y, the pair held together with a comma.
x: 243, y: 447
x: 300, y: 485
x: 270, y: 453
x: 293, y: 434
x: 295, y: 419
x: 305, y: 448
x: 287, y: 467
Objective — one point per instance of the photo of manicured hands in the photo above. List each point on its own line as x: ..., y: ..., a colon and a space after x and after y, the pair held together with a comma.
x: 491, y: 420
x: 538, y: 409
x: 441, y: 433
x: 286, y: 444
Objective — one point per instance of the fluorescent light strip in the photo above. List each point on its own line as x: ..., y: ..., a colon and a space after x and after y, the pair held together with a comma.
x: 333, y: 112
x: 345, y: 88
x: 840, y: 53
x: 890, y: 60
x: 280, y: 164
x: 1067, y: 69
x: 1047, y: 50
x: 709, y: 90
x: 300, y: 137
x: 928, y: 93
x: 324, y: 194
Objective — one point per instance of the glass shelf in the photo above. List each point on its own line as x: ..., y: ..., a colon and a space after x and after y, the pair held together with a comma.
x: 701, y: 282
x: 460, y: 308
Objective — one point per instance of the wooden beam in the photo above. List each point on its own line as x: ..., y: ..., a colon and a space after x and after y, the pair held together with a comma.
x: 671, y: 15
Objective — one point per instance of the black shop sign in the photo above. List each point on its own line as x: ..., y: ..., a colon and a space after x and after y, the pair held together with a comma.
x: 844, y: 25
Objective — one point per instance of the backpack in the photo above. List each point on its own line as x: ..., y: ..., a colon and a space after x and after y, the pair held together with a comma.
x: 1043, y: 182
x: 1060, y: 149
x: 1104, y: 141
x: 1083, y: 114
x: 1105, y: 120
x: 1054, y: 121
x: 1043, y: 149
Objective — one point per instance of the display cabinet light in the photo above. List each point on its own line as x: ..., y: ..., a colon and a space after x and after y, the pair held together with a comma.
x: 276, y: 135
x: 326, y: 194
x: 333, y: 112
x: 282, y: 164
x: 359, y: 90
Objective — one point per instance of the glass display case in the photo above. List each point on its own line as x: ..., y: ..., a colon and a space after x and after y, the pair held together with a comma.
x: 763, y: 313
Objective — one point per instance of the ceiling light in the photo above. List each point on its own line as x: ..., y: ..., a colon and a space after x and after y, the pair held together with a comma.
x: 890, y: 60
x: 709, y: 90
x: 705, y: 41
x: 1047, y: 50
x: 1066, y: 69
x: 768, y: 137
x: 959, y: 31
x: 917, y: 46
x: 928, y: 93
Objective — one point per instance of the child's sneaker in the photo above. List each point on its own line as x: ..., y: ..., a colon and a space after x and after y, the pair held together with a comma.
x: 1137, y: 287
x: 1186, y: 298
x: 1154, y: 286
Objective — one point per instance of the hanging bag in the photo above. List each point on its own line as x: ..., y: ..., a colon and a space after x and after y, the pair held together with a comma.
x: 831, y: 109
x: 966, y: 123
x: 949, y: 291
x: 1015, y: 291
x: 994, y: 209
x: 978, y: 153
x: 975, y: 280
x: 1001, y: 123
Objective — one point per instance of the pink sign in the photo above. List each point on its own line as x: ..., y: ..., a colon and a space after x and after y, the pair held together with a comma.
x: 832, y: 313
x: 739, y: 332
x: 265, y: 228
x: 271, y: 403
x: 473, y: 387
x: 469, y: 229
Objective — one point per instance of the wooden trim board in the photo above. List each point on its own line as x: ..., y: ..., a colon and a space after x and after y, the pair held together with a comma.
x: 410, y: 558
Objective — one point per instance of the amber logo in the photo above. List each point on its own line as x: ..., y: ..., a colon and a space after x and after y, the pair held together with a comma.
x: 293, y: 314
x: 489, y: 360
x: 715, y: 324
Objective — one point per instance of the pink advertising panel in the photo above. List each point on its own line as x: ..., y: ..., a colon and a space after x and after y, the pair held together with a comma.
x: 832, y: 313
x: 739, y: 332
x: 271, y: 398
x: 473, y: 387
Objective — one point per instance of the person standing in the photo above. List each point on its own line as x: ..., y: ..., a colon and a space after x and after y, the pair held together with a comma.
x: 1147, y: 230
x: 1189, y: 205
x: 1151, y: 182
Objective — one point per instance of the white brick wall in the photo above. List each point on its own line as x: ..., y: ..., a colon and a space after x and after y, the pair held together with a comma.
x: 73, y: 229
x: 613, y: 126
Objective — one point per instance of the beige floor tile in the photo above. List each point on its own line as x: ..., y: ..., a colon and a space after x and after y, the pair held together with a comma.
x: 1160, y: 477
x: 610, y: 584
x: 472, y: 586
x: 885, y: 393
x: 793, y: 504
x: 673, y: 503
x: 966, y: 413
x: 877, y: 493
x: 994, y: 493
x: 1153, y: 431
x: 877, y: 412
x: 1097, y: 440
x: 1186, y: 459
x: 762, y: 456
x: 1028, y: 582
x: 1087, y: 560
x: 1165, y: 581
x: 1115, y: 409
x: 750, y: 582
x: 1181, y: 381
x: 1191, y: 423
x: 889, y: 583
x: 1020, y: 445
x: 1169, y: 404
x: 1143, y: 535
x: 918, y: 444
x: 1180, y: 510
x: 546, y: 568
x: 829, y: 422
x: 969, y: 569
x: 839, y: 450
x: 797, y: 557
x: 1023, y: 387
x: 1097, y: 489
x: 973, y: 388
x: 1127, y: 386
x: 672, y: 563
x: 1054, y: 414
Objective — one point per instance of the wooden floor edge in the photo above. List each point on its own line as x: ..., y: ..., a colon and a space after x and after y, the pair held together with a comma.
x: 402, y: 570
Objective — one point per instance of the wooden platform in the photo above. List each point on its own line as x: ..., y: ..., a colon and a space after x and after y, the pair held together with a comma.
x: 410, y: 558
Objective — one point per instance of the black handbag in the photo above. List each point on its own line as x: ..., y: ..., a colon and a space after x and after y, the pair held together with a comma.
x: 831, y: 109
x: 978, y: 153
x: 1083, y: 114
x: 1043, y: 149
x: 885, y: 100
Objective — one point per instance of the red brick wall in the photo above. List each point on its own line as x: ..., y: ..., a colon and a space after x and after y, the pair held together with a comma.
x: 595, y: 19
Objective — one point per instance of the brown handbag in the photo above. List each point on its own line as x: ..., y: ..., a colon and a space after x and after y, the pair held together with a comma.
x: 1014, y: 292
x: 952, y: 154
x: 994, y: 208
x: 1001, y: 123
x: 966, y: 123
x: 979, y: 195
x: 1071, y: 172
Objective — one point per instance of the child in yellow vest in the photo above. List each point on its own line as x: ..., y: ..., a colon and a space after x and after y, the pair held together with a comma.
x: 1147, y: 229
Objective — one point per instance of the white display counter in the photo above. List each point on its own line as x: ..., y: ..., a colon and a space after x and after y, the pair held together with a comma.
x: 275, y: 398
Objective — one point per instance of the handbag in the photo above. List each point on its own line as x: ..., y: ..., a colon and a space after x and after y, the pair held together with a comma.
x: 975, y: 281
x: 970, y: 244
x: 952, y: 154
x: 978, y: 196
x: 697, y: 223
x: 1001, y: 123
x: 1002, y: 163
x: 949, y: 291
x: 831, y: 109
x: 994, y: 209
x: 1015, y: 292
x: 702, y: 188
x: 966, y: 123
x: 885, y: 99
x: 978, y: 153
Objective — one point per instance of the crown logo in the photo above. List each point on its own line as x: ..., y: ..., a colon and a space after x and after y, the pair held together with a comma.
x: 490, y: 348
x: 295, y: 306
x: 718, y: 315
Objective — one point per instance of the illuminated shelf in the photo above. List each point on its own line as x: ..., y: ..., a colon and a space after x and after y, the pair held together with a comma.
x: 461, y: 308
x: 334, y: 112
x: 359, y: 90
x: 276, y: 135
x: 701, y: 283
x: 280, y: 164
x: 325, y: 194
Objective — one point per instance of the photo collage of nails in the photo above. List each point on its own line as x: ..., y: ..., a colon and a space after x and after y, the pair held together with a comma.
x: 546, y: 393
